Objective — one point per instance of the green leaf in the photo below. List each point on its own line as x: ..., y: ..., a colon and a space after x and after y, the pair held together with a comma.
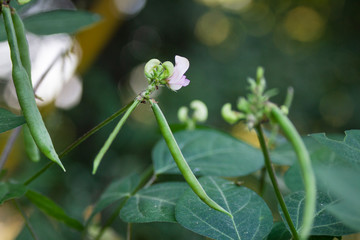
x: 59, y: 21
x: 154, y: 204
x: 252, y: 218
x: 117, y: 191
x: 343, y: 183
x: 349, y: 149
x: 321, y: 158
x: 324, y: 223
x: 279, y: 232
x: 209, y: 152
x: 284, y: 153
x: 52, y: 209
x: 11, y: 190
x: 9, y: 120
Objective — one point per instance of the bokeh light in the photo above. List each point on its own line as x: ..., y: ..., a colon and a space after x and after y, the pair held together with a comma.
x: 304, y: 24
x: 212, y: 28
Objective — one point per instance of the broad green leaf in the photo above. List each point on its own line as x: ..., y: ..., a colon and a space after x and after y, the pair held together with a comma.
x: 59, y: 21
x: 52, y: 209
x: 284, y: 153
x: 343, y: 182
x: 321, y: 159
x: 209, y: 152
x: 324, y: 222
x: 117, y: 191
x: 9, y: 120
x: 252, y: 218
x: 279, y: 232
x: 11, y: 190
x: 349, y: 149
x: 154, y: 204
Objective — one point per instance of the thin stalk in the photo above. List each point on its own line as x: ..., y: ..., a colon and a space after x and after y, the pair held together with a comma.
x: 305, y: 166
x: 262, y: 181
x: 113, y: 134
x: 274, y: 182
x: 78, y: 141
x: 128, y: 231
x: 10, y: 143
x: 145, y: 177
x: 27, y: 223
x: 112, y: 218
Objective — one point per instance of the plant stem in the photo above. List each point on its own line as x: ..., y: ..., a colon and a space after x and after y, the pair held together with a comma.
x: 128, y: 231
x: 8, y: 146
x: 145, y: 177
x: 274, y: 181
x: 262, y: 181
x: 78, y: 142
x: 305, y: 166
x: 27, y: 223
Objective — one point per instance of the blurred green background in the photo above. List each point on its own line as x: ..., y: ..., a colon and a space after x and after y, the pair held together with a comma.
x: 312, y: 46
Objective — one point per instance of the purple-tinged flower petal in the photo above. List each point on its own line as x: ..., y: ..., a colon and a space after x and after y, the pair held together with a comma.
x: 178, y: 79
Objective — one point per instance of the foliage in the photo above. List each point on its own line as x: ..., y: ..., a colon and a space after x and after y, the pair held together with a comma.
x: 198, y: 178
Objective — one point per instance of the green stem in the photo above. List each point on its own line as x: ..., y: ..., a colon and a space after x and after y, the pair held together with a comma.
x: 113, y: 134
x: 180, y: 160
x: 128, y: 231
x: 146, y: 176
x: 27, y: 223
x: 274, y: 182
x: 78, y: 142
x: 305, y: 166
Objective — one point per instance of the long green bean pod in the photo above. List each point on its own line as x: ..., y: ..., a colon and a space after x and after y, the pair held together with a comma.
x: 305, y: 166
x: 113, y: 134
x: 32, y: 151
x: 25, y: 94
x: 22, y: 42
x: 180, y: 160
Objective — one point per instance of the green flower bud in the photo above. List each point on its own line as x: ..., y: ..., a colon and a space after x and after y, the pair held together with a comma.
x: 243, y: 105
x: 259, y: 74
x: 229, y: 115
x: 168, y: 69
x: 200, y: 110
x: 150, y: 67
x: 183, y: 114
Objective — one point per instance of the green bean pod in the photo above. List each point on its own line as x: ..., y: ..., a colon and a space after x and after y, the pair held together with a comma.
x: 22, y: 42
x: 25, y: 94
x: 113, y: 134
x: 32, y: 151
x: 180, y: 160
x: 306, y: 170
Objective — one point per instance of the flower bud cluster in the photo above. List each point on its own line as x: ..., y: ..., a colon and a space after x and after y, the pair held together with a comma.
x: 200, y: 114
x: 255, y: 107
x: 158, y: 73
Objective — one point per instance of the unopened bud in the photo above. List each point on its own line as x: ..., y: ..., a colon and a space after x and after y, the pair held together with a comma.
x: 150, y: 67
x: 168, y: 69
x: 200, y: 110
x: 183, y: 114
x: 229, y: 115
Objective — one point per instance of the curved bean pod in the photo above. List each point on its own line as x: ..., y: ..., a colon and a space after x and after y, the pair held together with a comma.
x: 22, y: 42
x: 32, y: 151
x: 305, y: 166
x: 25, y: 94
x: 180, y: 160
x: 113, y: 134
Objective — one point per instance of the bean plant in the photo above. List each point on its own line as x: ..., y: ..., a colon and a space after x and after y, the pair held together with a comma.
x: 212, y: 197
